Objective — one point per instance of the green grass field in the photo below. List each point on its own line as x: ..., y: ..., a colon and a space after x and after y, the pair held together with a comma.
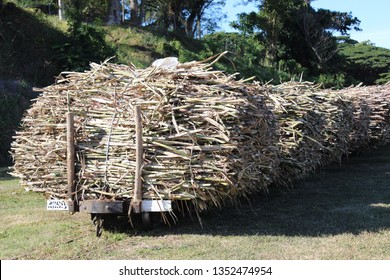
x: 342, y: 212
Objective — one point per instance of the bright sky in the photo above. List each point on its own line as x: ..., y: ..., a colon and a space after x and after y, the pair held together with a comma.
x: 373, y: 14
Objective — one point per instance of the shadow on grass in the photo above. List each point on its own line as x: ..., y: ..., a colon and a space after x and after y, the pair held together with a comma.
x: 4, y: 174
x: 353, y: 197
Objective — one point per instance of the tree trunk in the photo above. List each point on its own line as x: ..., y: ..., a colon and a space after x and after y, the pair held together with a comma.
x: 273, y: 38
x: 123, y: 11
x: 114, y: 12
x: 134, y: 13
x: 189, y: 24
x: 141, y: 13
x: 174, y: 14
x: 199, y: 28
x: 61, y: 10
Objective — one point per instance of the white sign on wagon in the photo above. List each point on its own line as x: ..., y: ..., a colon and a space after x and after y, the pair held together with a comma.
x: 156, y: 205
x: 57, y: 205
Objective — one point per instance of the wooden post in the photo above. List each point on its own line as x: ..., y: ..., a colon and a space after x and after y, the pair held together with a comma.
x: 70, y: 158
x: 137, y: 197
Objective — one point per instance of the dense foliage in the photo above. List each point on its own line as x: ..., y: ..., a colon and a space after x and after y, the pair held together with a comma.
x: 365, y: 62
x: 294, y: 31
x: 86, y: 41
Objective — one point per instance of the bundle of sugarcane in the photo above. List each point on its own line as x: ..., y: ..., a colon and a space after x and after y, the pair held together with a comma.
x: 313, y: 127
x: 207, y: 138
x: 371, y: 115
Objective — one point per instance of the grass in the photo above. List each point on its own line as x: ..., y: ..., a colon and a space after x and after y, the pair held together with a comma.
x: 342, y: 212
x: 133, y: 46
x: 142, y: 46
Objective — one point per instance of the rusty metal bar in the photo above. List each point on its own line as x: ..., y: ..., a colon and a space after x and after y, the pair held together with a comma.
x: 102, y: 207
x: 137, y: 197
x: 70, y: 158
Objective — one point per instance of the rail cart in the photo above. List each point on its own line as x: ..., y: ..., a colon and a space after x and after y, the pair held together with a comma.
x: 104, y: 209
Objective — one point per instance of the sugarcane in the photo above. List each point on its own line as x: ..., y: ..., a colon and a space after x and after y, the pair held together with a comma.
x: 207, y: 137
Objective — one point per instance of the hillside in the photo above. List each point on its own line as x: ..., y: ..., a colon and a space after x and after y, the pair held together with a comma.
x: 35, y: 48
x: 27, y: 46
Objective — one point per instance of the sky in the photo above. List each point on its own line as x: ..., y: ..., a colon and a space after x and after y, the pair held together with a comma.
x: 373, y: 14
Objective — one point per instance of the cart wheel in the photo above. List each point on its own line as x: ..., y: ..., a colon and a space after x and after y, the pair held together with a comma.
x: 147, y: 221
x: 98, y: 222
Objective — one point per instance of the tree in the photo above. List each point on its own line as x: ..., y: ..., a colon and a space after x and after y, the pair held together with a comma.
x: 293, y: 29
x: 318, y: 28
x: 86, y: 10
x: 86, y: 42
x: 114, y: 12
x: 181, y: 17
x: 270, y: 22
x: 135, y: 18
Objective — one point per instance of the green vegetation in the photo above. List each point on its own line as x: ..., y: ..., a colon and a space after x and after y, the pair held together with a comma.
x: 365, y: 62
x: 339, y: 213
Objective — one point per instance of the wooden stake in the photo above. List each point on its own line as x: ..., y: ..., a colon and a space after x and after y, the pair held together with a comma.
x: 70, y: 155
x: 137, y: 198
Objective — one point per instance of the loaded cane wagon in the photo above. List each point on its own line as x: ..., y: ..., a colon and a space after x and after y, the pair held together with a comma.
x: 179, y: 137
x: 117, y: 140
